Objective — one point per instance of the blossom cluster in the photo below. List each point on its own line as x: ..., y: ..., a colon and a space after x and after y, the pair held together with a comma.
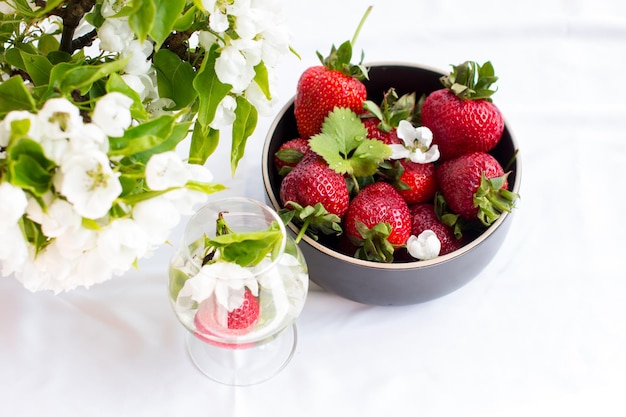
x: 84, y: 243
x: 92, y: 177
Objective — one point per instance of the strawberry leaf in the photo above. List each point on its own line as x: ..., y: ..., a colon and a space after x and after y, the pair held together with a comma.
x: 344, y: 145
x: 374, y: 246
x: 245, y: 249
x: 312, y: 220
x: 492, y: 200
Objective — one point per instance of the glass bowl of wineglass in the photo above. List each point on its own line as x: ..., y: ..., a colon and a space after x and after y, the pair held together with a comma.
x: 237, y: 283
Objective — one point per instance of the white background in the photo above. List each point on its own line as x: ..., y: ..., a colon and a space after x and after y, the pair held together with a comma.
x: 541, y: 331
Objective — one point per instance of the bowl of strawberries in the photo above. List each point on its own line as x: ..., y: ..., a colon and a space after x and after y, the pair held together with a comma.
x: 399, y: 186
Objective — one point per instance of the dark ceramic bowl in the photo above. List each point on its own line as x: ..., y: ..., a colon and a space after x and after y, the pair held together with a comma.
x: 396, y: 283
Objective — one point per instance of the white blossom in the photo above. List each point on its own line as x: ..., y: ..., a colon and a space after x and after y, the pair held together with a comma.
x: 58, y: 217
x: 166, y: 170
x: 89, y: 183
x: 59, y: 118
x: 13, y: 204
x: 225, y: 113
x: 13, y: 249
x: 157, y: 217
x: 257, y: 98
x: 89, y: 136
x: 206, y: 39
x: 112, y: 7
x: 112, y: 114
x: 75, y: 242
x: 115, y: 35
x: 226, y: 280
x: 425, y: 246
x: 234, y: 67
x: 121, y: 243
x: 34, y: 131
x: 137, y: 54
x: 416, y: 144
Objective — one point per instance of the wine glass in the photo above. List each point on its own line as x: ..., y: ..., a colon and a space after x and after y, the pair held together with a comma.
x: 237, y: 282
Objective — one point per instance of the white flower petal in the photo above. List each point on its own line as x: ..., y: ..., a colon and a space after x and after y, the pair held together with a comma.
x: 166, y: 170
x: 13, y: 204
x: 112, y: 114
x: 89, y: 183
x: 424, y: 136
x: 406, y: 132
x: 425, y: 246
x: 399, y: 151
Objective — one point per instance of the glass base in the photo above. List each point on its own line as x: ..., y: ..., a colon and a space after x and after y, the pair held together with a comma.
x: 244, y: 366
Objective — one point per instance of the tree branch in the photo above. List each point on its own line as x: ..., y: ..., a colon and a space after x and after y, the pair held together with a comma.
x: 72, y: 14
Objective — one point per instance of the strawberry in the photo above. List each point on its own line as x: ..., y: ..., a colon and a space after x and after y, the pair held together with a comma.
x: 374, y: 131
x: 212, y: 319
x: 289, y: 154
x: 462, y: 116
x: 416, y: 183
x: 378, y: 207
x: 335, y: 83
x: 423, y: 217
x: 312, y: 182
x: 474, y: 187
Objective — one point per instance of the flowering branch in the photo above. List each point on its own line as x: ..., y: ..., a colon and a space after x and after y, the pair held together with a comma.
x: 91, y: 172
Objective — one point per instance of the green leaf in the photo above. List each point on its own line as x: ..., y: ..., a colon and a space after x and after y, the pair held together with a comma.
x: 209, y: 88
x: 142, y: 17
x: 204, y: 187
x: 33, y: 233
x: 168, y: 143
x: 175, y: 78
x: 68, y: 77
x: 246, y: 118
x: 38, y: 67
x: 116, y: 83
x: 167, y: 14
x: 374, y: 246
x: 29, y: 168
x: 185, y: 21
x: 202, y: 145
x: 344, y: 145
x: 47, y: 43
x: 15, y: 96
x: 142, y: 137
x: 261, y: 77
x: 311, y: 219
x: 246, y: 249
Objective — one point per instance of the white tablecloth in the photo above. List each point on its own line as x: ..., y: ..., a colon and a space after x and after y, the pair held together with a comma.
x: 541, y: 331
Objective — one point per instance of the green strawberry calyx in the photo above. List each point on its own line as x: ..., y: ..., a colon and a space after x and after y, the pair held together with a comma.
x: 471, y: 81
x: 374, y: 245
x: 312, y: 220
x: 392, y: 109
x: 344, y: 145
x: 492, y: 199
x: 340, y: 58
x: 244, y: 249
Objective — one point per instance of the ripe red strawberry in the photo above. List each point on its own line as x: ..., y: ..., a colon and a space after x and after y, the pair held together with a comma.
x: 289, y: 154
x: 312, y: 182
x: 375, y: 205
x: 418, y: 182
x: 423, y: 217
x: 462, y: 116
x: 213, y: 319
x: 372, y: 124
x: 335, y: 83
x: 475, y: 187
